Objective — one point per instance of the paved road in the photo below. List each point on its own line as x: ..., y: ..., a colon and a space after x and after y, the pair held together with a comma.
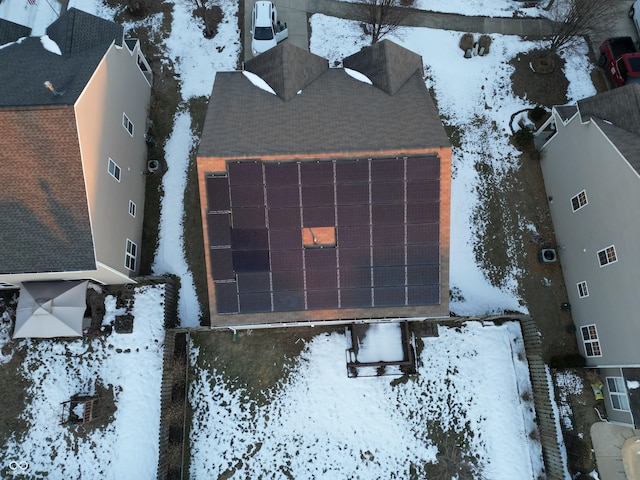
x: 295, y: 13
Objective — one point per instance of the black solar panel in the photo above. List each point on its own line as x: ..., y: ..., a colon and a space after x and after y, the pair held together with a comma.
x: 355, y: 297
x: 355, y: 277
x: 226, y: 297
x: 424, y: 295
x: 247, y: 195
x: 423, y: 212
x: 284, y: 218
x: 318, y: 216
x: 388, y: 170
x: 389, y: 296
x: 281, y: 197
x: 245, y: 173
x: 322, y: 278
x: 250, y: 239
x: 217, y: 193
x: 322, y: 299
x: 352, y: 193
x: 423, y: 167
x: 281, y: 173
x: 314, y: 195
x: 385, y: 215
x: 219, y: 229
x: 352, y: 171
x: 314, y: 173
x: 221, y: 263
x: 254, y: 282
x: 288, y: 301
x: 252, y: 217
x: 288, y: 280
x: 250, y: 260
x: 254, y: 302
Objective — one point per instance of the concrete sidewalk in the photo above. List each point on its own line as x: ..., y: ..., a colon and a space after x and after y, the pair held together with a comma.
x: 295, y: 14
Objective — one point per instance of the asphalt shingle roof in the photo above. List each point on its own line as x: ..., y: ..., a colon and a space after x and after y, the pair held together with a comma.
x: 287, y: 69
x: 10, y: 32
x: 44, y: 218
x: 617, y: 113
x: 386, y: 64
x: 83, y: 40
x: 334, y: 113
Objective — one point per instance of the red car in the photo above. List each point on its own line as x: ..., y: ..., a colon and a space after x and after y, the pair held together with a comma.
x: 620, y: 58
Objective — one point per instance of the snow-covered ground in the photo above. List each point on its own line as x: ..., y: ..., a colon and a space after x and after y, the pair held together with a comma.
x: 323, y: 425
x: 129, y: 363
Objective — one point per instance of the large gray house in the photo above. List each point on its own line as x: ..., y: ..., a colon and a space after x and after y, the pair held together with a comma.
x: 73, y: 116
x: 591, y: 171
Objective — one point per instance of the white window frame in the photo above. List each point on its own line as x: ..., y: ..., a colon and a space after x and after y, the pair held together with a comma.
x: 132, y: 208
x: 619, y: 391
x: 607, y: 254
x: 130, y: 255
x: 583, y: 289
x: 114, y: 169
x: 591, y: 341
x: 578, y: 199
x: 127, y: 124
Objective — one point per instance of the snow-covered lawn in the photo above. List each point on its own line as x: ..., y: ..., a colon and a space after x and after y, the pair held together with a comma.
x: 130, y: 364
x: 323, y: 425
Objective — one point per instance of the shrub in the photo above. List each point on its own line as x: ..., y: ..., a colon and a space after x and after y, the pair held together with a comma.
x: 467, y: 41
x: 537, y: 113
x: 524, y: 137
x: 573, y: 360
x: 484, y: 41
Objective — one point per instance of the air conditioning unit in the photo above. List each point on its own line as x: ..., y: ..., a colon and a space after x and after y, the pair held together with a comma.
x: 547, y: 255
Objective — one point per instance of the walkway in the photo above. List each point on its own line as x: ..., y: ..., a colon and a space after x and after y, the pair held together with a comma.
x: 295, y: 13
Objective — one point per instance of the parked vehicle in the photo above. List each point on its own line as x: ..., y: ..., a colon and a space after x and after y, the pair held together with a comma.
x: 266, y: 29
x: 620, y: 58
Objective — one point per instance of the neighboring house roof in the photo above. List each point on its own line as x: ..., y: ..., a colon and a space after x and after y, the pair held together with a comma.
x: 44, y: 219
x: 10, y: 32
x: 83, y: 40
x: 334, y: 113
x: 566, y: 111
x: 329, y: 197
x: 617, y: 113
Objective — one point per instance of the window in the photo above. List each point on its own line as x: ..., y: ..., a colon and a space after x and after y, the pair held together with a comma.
x: 114, y: 169
x: 131, y: 255
x: 579, y: 201
x: 132, y: 209
x: 618, y: 393
x: 126, y: 123
x: 607, y: 256
x: 7, y: 285
x: 590, y: 340
x: 583, y: 291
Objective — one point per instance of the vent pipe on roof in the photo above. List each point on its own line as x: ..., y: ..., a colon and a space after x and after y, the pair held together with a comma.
x: 49, y: 86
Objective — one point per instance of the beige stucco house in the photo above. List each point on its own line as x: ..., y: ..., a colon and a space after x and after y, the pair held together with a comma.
x: 591, y: 171
x: 73, y: 117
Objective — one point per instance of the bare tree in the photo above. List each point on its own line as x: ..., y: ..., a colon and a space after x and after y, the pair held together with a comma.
x: 381, y: 17
x: 579, y: 18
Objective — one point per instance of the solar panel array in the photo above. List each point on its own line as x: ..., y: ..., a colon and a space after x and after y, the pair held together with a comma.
x: 386, y: 218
